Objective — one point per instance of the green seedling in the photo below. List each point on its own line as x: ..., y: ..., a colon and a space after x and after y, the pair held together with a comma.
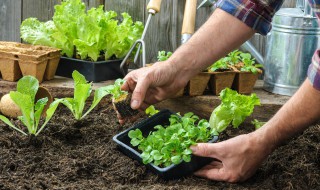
x: 82, y: 91
x: 249, y: 64
x: 121, y: 99
x: 24, y: 98
x: 257, y: 124
x: 151, y: 110
x: 163, y: 55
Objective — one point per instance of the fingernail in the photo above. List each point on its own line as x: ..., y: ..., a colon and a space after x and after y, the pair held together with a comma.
x: 134, y: 104
x: 193, y: 148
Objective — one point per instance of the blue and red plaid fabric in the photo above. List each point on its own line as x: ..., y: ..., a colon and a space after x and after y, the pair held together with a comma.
x: 258, y: 14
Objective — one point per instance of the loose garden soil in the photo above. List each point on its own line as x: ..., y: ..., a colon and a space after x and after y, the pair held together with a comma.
x: 82, y: 155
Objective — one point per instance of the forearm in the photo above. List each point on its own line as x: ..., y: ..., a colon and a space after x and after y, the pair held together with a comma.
x: 301, y: 111
x: 221, y: 34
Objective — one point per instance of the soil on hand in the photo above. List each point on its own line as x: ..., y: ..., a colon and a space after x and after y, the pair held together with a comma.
x: 82, y: 155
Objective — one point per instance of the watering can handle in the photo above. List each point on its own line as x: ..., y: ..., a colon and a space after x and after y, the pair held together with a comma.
x: 154, y: 6
x: 189, y: 18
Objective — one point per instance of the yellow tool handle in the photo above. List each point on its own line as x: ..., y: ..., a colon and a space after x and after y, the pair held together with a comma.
x: 154, y: 5
x: 189, y: 18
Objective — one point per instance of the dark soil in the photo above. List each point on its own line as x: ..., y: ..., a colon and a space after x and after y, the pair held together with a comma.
x: 82, y: 155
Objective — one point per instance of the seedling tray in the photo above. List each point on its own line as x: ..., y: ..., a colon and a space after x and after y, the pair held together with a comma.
x: 93, y: 71
x: 167, y: 173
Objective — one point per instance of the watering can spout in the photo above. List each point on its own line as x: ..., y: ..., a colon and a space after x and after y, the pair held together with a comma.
x: 206, y: 3
x: 247, y: 46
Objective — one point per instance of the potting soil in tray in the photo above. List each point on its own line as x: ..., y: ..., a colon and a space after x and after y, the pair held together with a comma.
x: 82, y: 155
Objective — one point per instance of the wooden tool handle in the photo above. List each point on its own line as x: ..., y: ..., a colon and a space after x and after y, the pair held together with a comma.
x: 154, y: 5
x: 189, y: 18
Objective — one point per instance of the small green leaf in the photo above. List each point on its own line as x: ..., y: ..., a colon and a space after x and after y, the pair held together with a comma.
x: 135, y: 142
x: 28, y: 85
x: 176, y: 159
x: 7, y: 121
x: 186, y: 158
x: 49, y: 113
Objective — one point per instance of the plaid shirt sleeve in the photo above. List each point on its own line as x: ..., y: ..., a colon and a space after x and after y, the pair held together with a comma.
x: 314, y: 68
x: 257, y: 14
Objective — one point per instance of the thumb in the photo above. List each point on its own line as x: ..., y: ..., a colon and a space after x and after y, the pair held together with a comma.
x: 206, y: 150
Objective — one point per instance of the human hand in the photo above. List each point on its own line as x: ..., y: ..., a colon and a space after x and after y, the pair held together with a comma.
x: 150, y: 85
x: 236, y: 159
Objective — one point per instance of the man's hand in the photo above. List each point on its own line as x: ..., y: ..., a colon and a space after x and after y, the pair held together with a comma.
x: 150, y: 85
x: 237, y: 159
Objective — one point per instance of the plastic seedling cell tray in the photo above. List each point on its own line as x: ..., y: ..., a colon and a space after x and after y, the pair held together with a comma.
x: 170, y: 172
x: 93, y: 71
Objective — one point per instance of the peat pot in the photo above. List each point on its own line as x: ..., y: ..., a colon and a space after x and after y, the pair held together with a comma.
x: 198, y: 84
x: 221, y: 80
x: 290, y: 46
x: 93, y: 71
x: 170, y: 172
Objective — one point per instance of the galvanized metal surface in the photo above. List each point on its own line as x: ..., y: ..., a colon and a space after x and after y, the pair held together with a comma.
x: 290, y: 46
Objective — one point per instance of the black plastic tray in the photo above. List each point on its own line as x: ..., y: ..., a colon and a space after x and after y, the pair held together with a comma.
x: 93, y: 71
x: 172, y: 171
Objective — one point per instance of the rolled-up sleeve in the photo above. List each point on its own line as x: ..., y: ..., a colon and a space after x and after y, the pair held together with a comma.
x: 314, y: 70
x: 257, y: 14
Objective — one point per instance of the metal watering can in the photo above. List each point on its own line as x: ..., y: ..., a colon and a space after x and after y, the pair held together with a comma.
x: 290, y: 46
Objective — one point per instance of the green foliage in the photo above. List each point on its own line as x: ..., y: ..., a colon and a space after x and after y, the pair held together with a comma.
x: 115, y: 89
x: 221, y: 64
x: 151, y: 110
x: 82, y: 91
x: 234, y: 108
x: 249, y: 63
x: 171, y: 144
x: 234, y: 57
x: 163, y: 55
x: 89, y: 33
x: 257, y: 124
x: 24, y: 97
x: 237, y: 60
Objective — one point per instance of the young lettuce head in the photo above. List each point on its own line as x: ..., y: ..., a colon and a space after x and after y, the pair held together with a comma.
x: 82, y: 91
x: 24, y: 97
x: 234, y: 108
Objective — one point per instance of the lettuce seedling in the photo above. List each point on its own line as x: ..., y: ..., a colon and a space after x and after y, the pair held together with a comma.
x: 163, y: 55
x: 121, y: 99
x: 249, y: 64
x: 171, y: 144
x: 82, y: 91
x: 220, y: 65
x: 151, y: 110
x: 258, y: 124
x: 234, y: 108
x: 24, y: 97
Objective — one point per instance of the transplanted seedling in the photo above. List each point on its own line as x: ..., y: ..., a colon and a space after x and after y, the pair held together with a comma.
x: 24, y: 98
x: 121, y: 99
x: 82, y: 91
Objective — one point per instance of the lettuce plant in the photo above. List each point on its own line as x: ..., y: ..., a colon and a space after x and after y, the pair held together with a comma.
x: 151, y: 110
x: 115, y: 89
x: 171, y: 144
x: 24, y: 97
x: 249, y: 63
x: 82, y: 91
x: 93, y: 34
x: 234, y: 109
x: 163, y: 55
